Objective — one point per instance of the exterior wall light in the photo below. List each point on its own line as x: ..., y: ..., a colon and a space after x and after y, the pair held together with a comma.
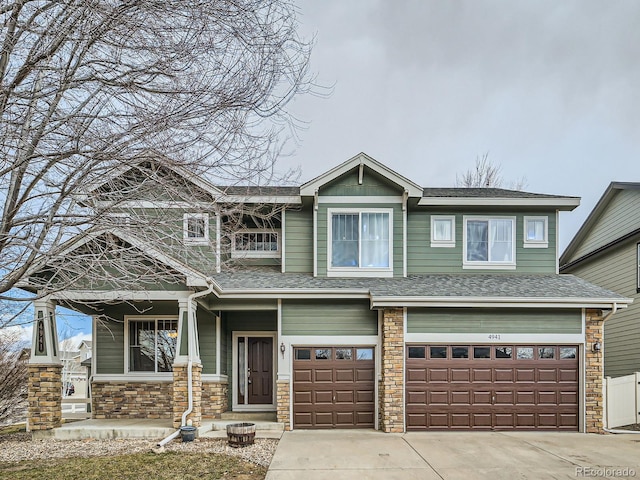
x: 596, y: 347
x: 282, y: 349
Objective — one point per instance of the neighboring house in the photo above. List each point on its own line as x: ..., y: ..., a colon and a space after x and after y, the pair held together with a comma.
x: 606, y: 252
x: 368, y: 302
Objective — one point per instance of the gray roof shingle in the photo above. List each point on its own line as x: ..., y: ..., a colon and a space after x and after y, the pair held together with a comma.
x: 424, y: 286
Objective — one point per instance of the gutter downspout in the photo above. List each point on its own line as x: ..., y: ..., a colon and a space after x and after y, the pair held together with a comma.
x: 191, y: 348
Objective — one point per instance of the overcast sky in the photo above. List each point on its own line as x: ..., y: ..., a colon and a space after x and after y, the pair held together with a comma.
x: 551, y: 90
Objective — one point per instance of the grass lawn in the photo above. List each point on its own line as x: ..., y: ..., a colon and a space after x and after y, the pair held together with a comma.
x: 143, y: 465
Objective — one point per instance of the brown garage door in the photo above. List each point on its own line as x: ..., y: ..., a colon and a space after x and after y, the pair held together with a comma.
x: 509, y: 387
x: 333, y: 387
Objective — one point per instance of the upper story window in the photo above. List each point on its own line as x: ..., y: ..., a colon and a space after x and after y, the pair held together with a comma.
x: 152, y: 344
x: 536, y: 232
x: 196, y: 228
x: 359, y: 241
x: 489, y: 242
x: 443, y: 231
x: 256, y: 243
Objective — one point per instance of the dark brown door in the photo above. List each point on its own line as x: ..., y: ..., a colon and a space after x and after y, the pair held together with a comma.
x: 492, y: 387
x: 333, y: 387
x: 260, y: 370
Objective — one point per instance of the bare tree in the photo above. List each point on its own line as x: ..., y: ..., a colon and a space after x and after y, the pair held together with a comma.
x: 140, y: 89
x: 13, y: 370
x: 487, y: 174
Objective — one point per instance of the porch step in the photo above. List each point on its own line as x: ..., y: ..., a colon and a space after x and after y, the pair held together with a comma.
x: 249, y: 416
x: 221, y: 425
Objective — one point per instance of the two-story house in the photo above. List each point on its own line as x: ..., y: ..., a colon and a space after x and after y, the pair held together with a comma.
x: 367, y: 301
x: 606, y: 252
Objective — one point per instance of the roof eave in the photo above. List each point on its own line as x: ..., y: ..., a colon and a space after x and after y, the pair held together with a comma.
x: 560, y: 203
x: 499, y: 302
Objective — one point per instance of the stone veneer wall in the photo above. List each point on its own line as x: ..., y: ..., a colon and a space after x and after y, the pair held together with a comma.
x: 113, y: 400
x: 214, y: 399
x: 45, y: 397
x: 594, y: 372
x: 392, y: 405
x: 181, y: 397
x: 284, y: 402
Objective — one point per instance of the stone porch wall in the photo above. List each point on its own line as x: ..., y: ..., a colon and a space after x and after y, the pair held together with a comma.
x: 392, y: 394
x: 115, y: 400
x: 214, y: 399
x: 594, y: 372
x: 44, y: 397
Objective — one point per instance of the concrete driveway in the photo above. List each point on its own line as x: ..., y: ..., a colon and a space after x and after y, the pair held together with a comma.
x: 365, y: 454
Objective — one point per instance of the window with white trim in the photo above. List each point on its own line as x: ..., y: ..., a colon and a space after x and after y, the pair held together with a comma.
x: 489, y: 242
x: 256, y: 243
x: 536, y: 232
x: 443, y: 231
x: 195, y: 228
x: 152, y: 344
x: 359, y: 241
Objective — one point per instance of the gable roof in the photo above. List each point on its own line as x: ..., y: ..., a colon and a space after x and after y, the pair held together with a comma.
x: 192, y: 276
x: 495, y: 196
x: 609, y: 194
x: 309, y: 188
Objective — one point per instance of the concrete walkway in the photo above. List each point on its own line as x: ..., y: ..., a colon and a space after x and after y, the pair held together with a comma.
x: 451, y: 455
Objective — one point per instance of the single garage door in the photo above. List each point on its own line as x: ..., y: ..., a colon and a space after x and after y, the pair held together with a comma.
x: 333, y: 387
x: 508, y: 387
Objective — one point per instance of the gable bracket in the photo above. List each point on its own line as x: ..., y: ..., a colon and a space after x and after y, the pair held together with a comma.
x: 315, y: 200
x: 360, y: 172
x: 405, y: 197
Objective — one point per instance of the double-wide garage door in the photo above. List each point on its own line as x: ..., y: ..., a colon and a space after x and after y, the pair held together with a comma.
x: 521, y: 387
x: 333, y: 387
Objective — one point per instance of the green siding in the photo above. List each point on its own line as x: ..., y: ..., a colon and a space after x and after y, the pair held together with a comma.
x: 207, y: 340
x: 347, y: 317
x: 109, y: 347
x: 621, y: 216
x: 110, y: 333
x: 298, y: 240
x: 422, y: 258
x: 373, y: 184
x: 448, y: 320
x: 397, y: 226
x: 617, y: 271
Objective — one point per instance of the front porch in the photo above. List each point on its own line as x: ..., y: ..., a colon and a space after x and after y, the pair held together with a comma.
x: 158, y: 429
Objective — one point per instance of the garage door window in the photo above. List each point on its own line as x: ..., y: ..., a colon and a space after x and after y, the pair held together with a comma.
x: 525, y: 353
x: 459, y: 352
x: 481, y: 352
x: 343, y: 354
x: 503, y: 352
x: 323, y: 354
x: 303, y: 354
x: 546, y: 352
x: 438, y: 352
x: 568, y: 353
x: 364, y: 354
x: 416, y: 352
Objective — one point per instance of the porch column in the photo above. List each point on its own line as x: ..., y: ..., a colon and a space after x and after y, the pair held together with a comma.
x: 392, y: 387
x: 187, y: 347
x: 45, y: 371
x: 594, y: 372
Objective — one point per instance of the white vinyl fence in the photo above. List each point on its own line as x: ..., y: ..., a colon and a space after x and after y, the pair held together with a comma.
x: 622, y: 400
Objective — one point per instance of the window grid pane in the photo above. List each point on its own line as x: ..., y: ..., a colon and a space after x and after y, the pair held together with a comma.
x: 375, y: 240
x: 344, y: 241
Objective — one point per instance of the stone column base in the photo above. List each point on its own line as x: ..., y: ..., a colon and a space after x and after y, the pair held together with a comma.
x: 284, y: 403
x: 181, y: 394
x: 44, y: 397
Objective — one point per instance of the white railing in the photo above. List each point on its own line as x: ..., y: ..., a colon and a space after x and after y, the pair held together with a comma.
x: 622, y: 400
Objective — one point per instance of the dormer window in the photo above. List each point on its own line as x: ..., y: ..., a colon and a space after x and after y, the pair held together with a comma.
x: 196, y: 228
x: 360, y: 242
x: 256, y: 243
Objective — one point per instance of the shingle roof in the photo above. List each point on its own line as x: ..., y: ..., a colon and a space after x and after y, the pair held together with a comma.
x: 423, y: 286
x: 483, y: 193
x: 253, y: 190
